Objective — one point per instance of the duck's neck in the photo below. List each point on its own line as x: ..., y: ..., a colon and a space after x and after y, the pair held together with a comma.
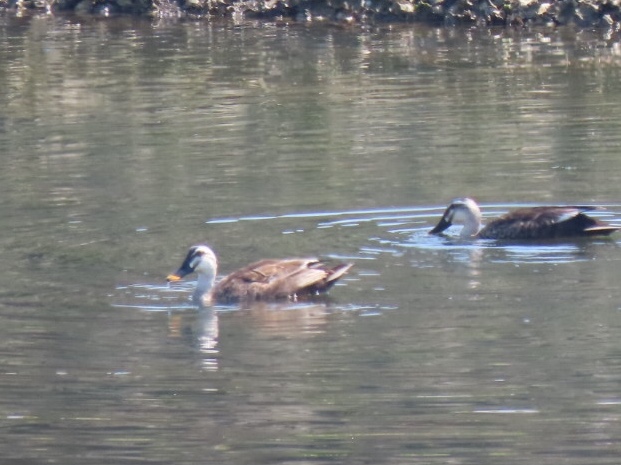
x: 204, y: 285
x: 472, y: 225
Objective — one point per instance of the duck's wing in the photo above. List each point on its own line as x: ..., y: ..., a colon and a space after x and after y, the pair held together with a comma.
x: 546, y: 223
x: 277, y: 279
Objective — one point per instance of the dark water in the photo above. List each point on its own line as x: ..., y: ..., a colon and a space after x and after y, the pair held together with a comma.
x: 123, y: 142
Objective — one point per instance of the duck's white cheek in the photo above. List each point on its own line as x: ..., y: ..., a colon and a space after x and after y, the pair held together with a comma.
x: 194, y: 263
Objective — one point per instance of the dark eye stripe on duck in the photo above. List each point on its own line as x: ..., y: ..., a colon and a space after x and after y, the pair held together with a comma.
x: 549, y: 222
x: 270, y: 279
x: 194, y: 260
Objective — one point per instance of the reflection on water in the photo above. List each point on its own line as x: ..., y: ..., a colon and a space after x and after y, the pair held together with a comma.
x: 124, y: 141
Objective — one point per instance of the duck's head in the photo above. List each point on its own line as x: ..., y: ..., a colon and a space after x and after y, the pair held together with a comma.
x: 462, y: 211
x: 200, y: 259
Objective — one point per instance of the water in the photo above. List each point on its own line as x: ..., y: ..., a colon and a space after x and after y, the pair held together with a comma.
x: 123, y: 142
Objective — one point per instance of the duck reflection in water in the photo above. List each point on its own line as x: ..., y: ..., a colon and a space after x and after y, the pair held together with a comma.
x: 550, y: 222
x: 265, y: 280
x: 203, y: 332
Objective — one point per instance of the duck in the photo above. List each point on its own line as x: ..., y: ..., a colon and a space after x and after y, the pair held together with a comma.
x: 547, y: 222
x: 264, y: 280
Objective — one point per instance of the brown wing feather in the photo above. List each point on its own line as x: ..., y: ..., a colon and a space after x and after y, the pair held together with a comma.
x: 274, y: 279
x: 295, y: 283
x: 545, y: 223
x: 544, y: 214
x: 265, y: 271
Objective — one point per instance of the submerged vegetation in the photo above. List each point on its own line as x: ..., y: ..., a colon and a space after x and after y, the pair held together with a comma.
x: 582, y: 13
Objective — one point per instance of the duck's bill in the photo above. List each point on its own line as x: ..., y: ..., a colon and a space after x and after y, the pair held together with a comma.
x: 172, y: 278
x: 440, y: 227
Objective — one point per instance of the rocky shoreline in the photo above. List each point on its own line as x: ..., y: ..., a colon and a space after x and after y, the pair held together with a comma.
x: 580, y: 13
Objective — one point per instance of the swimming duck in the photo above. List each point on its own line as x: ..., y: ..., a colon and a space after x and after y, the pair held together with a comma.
x: 523, y: 223
x: 270, y: 279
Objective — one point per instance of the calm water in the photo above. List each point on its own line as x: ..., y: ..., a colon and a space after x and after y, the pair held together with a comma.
x: 123, y: 142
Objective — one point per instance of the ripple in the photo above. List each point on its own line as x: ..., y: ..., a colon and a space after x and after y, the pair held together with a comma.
x: 401, y: 229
